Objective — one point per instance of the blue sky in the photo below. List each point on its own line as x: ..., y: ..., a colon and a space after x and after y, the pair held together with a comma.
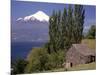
x: 22, y: 9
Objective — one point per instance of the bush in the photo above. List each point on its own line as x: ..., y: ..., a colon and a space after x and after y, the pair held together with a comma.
x: 18, y: 66
x: 92, y: 32
x: 37, y: 60
x: 40, y: 60
x: 55, y: 60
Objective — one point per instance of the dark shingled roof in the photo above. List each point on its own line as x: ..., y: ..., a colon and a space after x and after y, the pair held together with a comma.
x: 83, y: 49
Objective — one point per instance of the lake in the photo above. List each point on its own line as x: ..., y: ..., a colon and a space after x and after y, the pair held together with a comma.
x: 21, y: 49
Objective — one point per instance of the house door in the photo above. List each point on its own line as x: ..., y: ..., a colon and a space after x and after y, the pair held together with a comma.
x: 71, y: 64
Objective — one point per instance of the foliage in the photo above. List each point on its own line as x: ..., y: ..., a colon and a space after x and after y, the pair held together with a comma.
x: 92, y: 32
x: 37, y: 60
x: 56, y: 60
x: 78, y: 23
x: 66, y: 28
x: 18, y: 66
x: 64, y: 35
x: 53, y: 31
x: 69, y: 27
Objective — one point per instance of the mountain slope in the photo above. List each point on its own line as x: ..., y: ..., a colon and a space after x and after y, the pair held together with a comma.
x: 40, y: 16
x: 31, y: 28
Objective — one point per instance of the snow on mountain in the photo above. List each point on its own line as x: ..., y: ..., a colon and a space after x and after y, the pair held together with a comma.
x: 19, y: 19
x: 40, y: 16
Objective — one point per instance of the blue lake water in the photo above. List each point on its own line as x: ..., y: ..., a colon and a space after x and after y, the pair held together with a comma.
x: 21, y: 49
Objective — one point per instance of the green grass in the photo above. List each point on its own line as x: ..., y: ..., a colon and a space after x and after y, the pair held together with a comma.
x: 90, y: 42
x: 91, y: 66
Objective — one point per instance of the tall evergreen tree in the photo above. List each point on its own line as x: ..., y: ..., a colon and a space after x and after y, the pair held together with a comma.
x: 70, y: 26
x: 66, y: 28
x: 78, y: 23
x: 53, y: 31
x: 63, y: 29
x: 50, y: 33
x: 58, y: 15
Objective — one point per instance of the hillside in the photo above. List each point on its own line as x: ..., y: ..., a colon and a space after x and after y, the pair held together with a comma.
x: 90, y: 42
x: 91, y: 66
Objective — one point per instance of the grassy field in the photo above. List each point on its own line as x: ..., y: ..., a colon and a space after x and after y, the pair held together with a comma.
x: 91, y: 66
x: 90, y: 42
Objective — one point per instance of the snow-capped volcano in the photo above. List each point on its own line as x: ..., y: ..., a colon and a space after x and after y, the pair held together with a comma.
x: 34, y: 27
x: 40, y: 16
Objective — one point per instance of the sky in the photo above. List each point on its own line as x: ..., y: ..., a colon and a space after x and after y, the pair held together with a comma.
x: 22, y: 9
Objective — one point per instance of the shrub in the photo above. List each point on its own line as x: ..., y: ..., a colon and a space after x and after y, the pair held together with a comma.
x: 40, y: 60
x: 37, y: 60
x: 92, y: 32
x: 55, y: 60
x: 18, y: 66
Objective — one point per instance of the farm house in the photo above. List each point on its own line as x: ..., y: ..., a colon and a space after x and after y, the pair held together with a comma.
x: 79, y: 54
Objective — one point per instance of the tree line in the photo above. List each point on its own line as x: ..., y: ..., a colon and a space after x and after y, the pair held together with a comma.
x: 65, y: 28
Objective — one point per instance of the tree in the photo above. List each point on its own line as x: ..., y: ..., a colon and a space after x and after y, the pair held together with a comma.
x: 92, y: 32
x: 37, y: 60
x: 53, y: 32
x: 78, y: 23
x: 59, y: 38
x: 19, y: 66
x: 63, y: 29
x: 69, y: 27
x: 66, y: 28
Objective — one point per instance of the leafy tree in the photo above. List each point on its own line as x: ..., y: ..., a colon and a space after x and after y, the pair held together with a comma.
x: 66, y: 28
x: 63, y: 29
x: 58, y: 37
x: 37, y: 60
x: 51, y: 36
x: 69, y: 27
x: 78, y: 23
x: 47, y: 46
x: 55, y: 60
x: 92, y: 32
x: 53, y: 32
x: 18, y: 66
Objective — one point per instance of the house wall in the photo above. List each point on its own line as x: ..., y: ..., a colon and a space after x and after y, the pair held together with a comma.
x: 74, y: 57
